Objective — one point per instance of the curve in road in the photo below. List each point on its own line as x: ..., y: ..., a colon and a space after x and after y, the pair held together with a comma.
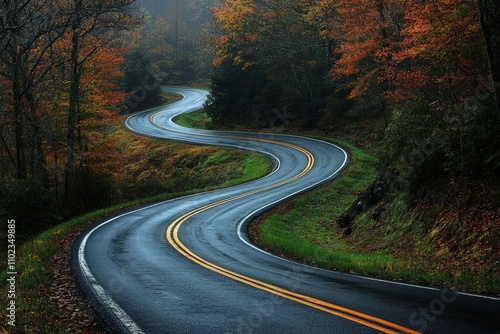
x: 146, y: 269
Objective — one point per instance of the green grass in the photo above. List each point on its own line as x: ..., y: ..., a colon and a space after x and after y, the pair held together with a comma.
x: 305, y: 229
x: 196, y: 120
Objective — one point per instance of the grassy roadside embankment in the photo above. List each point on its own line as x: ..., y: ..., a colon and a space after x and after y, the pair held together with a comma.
x: 196, y: 120
x: 395, y: 246
x: 46, y: 297
x: 303, y: 228
x: 391, y: 240
x: 388, y: 241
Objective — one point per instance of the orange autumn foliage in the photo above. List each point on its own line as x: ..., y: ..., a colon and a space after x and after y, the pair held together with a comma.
x: 441, y: 50
x: 414, y: 47
x: 366, y: 32
x: 240, y: 24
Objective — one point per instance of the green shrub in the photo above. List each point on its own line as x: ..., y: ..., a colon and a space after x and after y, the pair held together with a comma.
x: 414, y: 144
x: 424, y: 141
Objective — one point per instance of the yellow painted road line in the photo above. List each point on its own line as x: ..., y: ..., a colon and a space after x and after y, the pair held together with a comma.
x: 172, y: 235
x: 358, y: 317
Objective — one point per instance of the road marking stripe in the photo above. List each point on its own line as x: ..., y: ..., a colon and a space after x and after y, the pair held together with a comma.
x: 361, y: 318
x: 102, y: 296
x: 173, y: 239
x: 352, y: 315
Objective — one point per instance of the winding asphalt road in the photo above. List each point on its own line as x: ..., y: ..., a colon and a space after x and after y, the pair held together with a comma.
x: 186, y: 265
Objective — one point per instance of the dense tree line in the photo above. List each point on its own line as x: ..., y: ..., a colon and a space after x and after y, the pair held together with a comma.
x: 60, y: 70
x: 178, y: 38
x: 426, y: 67
x: 70, y: 69
x: 282, y: 61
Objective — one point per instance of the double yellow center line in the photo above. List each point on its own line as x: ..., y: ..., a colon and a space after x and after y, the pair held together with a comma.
x: 172, y: 235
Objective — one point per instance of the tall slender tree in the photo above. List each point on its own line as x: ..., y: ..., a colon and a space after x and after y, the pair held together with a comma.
x: 489, y: 11
x: 96, y: 18
x: 28, y: 29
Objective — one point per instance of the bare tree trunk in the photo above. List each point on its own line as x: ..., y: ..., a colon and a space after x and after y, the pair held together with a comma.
x: 385, y: 83
x: 74, y: 96
x: 13, y: 57
x: 40, y: 158
x: 25, y: 39
x: 87, y: 18
x: 489, y: 12
x: 18, y: 126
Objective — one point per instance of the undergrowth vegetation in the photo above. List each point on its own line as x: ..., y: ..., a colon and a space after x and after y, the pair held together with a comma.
x: 196, y: 120
x: 46, y: 297
x: 389, y: 239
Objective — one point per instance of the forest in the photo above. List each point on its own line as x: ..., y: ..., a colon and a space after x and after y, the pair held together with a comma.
x: 417, y: 79
x: 422, y: 66
x: 71, y: 71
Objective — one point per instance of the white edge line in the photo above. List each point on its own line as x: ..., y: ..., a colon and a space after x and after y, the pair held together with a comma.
x: 240, y: 225
x: 105, y: 299
x: 99, y: 291
x: 158, y: 111
x: 243, y: 239
x: 244, y: 220
x: 113, y: 305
